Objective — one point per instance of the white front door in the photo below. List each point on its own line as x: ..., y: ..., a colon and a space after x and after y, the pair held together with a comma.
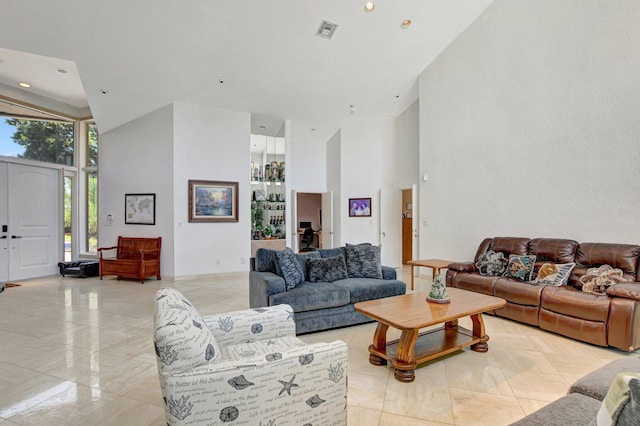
x: 4, y: 222
x: 32, y: 195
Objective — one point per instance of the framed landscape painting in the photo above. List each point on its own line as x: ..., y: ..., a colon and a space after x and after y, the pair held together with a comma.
x: 140, y: 209
x: 213, y: 201
x: 359, y: 207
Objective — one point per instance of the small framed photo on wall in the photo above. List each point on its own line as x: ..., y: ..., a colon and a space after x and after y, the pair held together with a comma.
x: 359, y: 207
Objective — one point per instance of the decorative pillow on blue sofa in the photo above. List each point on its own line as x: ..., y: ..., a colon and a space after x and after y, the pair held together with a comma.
x: 520, y: 267
x: 363, y: 261
x: 289, y: 268
x: 327, y: 269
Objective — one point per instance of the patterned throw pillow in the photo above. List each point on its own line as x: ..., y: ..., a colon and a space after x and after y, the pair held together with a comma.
x: 182, y: 339
x: 363, y: 261
x: 554, y: 274
x: 621, y: 405
x: 520, y: 267
x: 289, y: 268
x: 327, y: 269
x: 491, y: 263
x: 597, y: 280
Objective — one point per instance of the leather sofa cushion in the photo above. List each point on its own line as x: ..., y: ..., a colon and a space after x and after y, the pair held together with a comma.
x: 575, y: 303
x: 621, y: 256
x: 626, y: 290
x: 517, y: 291
x: 510, y: 245
x: 475, y: 282
x: 553, y: 250
x: 463, y: 267
x: 309, y: 296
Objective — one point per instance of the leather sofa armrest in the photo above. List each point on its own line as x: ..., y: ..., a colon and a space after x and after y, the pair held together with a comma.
x: 626, y: 290
x: 388, y: 273
x: 463, y: 267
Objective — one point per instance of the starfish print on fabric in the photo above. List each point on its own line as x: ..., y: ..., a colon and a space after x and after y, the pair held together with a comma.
x: 286, y: 386
x: 289, y: 315
x: 270, y: 342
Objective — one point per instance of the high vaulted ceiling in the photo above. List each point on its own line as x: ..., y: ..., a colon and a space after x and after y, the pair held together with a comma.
x: 258, y: 56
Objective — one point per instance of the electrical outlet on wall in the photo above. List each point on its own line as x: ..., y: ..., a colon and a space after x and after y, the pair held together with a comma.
x: 243, y: 260
x: 217, y: 261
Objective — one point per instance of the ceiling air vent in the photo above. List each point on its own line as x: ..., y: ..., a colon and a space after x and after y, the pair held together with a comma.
x: 326, y: 29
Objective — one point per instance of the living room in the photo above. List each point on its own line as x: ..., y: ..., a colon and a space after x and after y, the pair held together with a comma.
x: 525, y: 125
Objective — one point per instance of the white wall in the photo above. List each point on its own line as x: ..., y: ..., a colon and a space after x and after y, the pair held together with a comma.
x: 211, y: 144
x: 334, y: 184
x: 307, y: 171
x: 529, y: 127
x: 137, y: 158
x: 408, y: 142
x: 368, y: 163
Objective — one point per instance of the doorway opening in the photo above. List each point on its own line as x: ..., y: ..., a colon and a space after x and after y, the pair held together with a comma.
x: 407, y: 225
x: 309, y: 216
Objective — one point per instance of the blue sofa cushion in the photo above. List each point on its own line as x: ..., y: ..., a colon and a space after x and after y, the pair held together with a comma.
x: 289, y: 268
x: 363, y: 261
x: 337, y: 251
x: 361, y: 289
x: 311, y: 296
x: 326, y: 270
x: 265, y: 260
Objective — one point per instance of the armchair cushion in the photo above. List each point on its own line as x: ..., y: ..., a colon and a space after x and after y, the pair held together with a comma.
x: 249, y: 325
x: 182, y: 339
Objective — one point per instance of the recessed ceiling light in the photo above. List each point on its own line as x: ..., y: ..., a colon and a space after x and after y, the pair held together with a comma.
x: 104, y: 91
x: 23, y: 84
x: 262, y: 127
x: 313, y: 129
x: 61, y: 70
x: 369, y: 6
x: 397, y: 96
x: 405, y: 24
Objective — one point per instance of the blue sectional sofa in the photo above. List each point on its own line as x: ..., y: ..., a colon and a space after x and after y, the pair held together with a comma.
x: 318, y: 305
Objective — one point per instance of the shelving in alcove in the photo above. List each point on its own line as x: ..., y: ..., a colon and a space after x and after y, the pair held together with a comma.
x: 268, y: 191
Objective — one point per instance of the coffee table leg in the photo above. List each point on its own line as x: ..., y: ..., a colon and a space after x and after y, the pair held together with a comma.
x: 405, y: 357
x: 379, y: 345
x: 412, y: 271
x: 479, y: 331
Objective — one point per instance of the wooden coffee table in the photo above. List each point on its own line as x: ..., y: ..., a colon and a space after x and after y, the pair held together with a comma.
x: 434, y: 264
x: 411, y: 312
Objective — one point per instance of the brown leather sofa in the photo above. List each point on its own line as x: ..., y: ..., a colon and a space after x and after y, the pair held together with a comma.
x: 605, y: 320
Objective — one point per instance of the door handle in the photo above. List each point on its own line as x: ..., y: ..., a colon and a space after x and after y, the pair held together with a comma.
x: 13, y: 237
x: 4, y: 237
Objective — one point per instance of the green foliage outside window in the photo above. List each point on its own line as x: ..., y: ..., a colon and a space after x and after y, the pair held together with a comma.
x: 49, y: 141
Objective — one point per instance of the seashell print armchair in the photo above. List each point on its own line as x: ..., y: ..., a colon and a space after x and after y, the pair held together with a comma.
x: 245, y: 368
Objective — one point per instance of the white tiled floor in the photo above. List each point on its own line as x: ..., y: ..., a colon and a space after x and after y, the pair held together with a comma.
x: 80, y: 352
